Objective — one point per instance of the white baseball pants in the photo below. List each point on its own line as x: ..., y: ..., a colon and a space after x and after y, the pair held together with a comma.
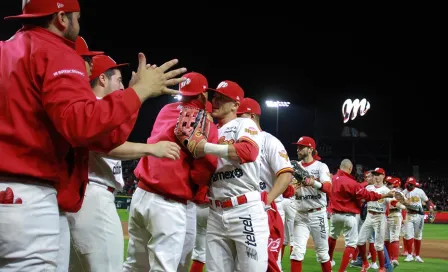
x: 190, y: 236
x: 64, y: 244
x: 316, y: 224
x: 202, y: 212
x: 157, y: 229
x: 97, y: 242
x: 348, y: 225
x: 29, y: 232
x: 413, y: 228
x: 374, y: 224
x: 393, y: 228
x: 281, y: 211
x: 289, y: 206
x: 238, y: 234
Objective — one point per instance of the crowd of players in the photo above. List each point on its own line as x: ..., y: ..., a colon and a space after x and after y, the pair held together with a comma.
x: 230, y: 203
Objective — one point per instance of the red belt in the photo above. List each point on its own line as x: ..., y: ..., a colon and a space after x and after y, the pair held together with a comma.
x: 228, y: 203
x: 111, y: 189
x: 315, y: 210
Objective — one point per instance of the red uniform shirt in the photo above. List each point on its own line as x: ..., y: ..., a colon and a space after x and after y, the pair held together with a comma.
x: 346, y: 193
x: 49, y: 115
x: 174, y: 178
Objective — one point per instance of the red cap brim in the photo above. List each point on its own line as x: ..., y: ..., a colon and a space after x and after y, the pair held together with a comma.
x: 92, y: 53
x: 25, y: 16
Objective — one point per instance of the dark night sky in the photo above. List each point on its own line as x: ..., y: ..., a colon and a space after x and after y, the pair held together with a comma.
x: 313, y: 58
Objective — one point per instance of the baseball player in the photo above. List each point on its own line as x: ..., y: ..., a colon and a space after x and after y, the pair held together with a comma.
x: 375, y: 222
x: 356, y: 260
x: 83, y: 50
x: 202, y: 210
x: 311, y: 202
x: 49, y: 118
x: 276, y: 168
x: 345, y: 196
x: 237, y: 226
x: 414, y: 198
x: 159, y: 212
x: 97, y: 236
x: 394, y: 223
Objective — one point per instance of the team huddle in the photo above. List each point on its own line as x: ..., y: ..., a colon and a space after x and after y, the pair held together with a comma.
x: 214, y: 189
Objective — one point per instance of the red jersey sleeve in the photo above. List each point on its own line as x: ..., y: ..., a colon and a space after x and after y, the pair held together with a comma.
x: 71, y: 105
x: 362, y: 193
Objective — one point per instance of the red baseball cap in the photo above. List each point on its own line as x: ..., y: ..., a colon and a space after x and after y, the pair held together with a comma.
x: 413, y: 181
x: 208, y: 106
x: 379, y: 171
x: 397, y: 183
x: 195, y: 84
x: 306, y: 141
x: 41, y: 8
x: 230, y: 89
x: 249, y: 105
x: 390, y: 180
x: 83, y: 50
x: 102, y: 63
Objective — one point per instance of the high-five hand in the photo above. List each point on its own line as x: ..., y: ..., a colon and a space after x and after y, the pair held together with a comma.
x: 152, y: 81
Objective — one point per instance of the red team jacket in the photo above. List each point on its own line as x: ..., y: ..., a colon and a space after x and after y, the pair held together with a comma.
x: 346, y: 192
x: 49, y: 116
x: 175, y: 179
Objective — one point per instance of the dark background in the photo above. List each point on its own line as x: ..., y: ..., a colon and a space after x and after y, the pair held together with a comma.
x: 314, y: 57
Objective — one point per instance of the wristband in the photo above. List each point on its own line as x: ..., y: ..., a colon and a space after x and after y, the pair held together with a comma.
x: 317, y: 184
x: 217, y: 150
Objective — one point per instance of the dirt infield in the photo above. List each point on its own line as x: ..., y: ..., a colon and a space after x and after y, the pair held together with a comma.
x: 430, y: 248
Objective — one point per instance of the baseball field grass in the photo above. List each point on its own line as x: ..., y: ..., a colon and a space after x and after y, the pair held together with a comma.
x: 435, y: 244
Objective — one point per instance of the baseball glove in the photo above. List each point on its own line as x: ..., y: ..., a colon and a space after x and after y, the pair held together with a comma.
x: 192, y: 128
x: 300, y: 174
x: 432, y: 216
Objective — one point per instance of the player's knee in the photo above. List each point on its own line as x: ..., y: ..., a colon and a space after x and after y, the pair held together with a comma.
x: 418, y: 237
x: 297, y: 254
x: 360, y: 243
x: 408, y: 236
x: 379, y: 247
x: 322, y: 256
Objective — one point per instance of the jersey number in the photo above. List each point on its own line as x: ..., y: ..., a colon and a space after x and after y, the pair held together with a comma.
x: 262, y: 185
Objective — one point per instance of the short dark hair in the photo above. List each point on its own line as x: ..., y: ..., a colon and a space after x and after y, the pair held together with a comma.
x: 109, y: 73
x: 45, y: 21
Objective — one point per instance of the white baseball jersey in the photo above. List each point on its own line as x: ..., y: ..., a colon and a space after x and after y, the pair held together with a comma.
x: 416, y: 197
x: 232, y: 178
x: 379, y: 206
x: 394, y: 211
x: 105, y: 171
x: 308, y: 197
x: 274, y: 161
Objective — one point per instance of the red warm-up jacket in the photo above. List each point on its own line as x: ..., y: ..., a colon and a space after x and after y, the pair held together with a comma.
x: 175, y: 179
x: 49, y: 116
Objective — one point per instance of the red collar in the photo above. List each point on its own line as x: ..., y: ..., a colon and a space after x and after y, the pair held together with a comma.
x: 46, y: 34
x: 305, y: 164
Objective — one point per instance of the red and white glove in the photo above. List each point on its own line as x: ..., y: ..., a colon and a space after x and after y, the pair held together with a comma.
x: 7, y: 197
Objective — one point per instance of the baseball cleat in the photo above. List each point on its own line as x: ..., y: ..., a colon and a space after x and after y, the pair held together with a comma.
x: 409, y: 258
x: 333, y: 263
x: 357, y: 263
x: 374, y: 266
x: 395, y: 263
x: 418, y: 259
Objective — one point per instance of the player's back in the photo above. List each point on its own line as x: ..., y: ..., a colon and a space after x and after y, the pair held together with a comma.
x: 233, y: 178
x: 105, y: 170
x: 274, y: 161
x: 27, y: 136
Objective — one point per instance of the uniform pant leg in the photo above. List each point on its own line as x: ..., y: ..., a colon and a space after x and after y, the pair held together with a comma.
x: 319, y: 233
x: 201, y: 232
x: 220, y: 249
x: 97, y: 234
x: 190, y: 236
x: 301, y: 234
x: 64, y: 244
x: 29, y: 232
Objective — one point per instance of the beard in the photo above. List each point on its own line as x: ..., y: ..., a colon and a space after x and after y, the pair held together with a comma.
x: 71, y: 33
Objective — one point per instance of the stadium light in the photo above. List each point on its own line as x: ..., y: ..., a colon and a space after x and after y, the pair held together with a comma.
x: 277, y: 104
